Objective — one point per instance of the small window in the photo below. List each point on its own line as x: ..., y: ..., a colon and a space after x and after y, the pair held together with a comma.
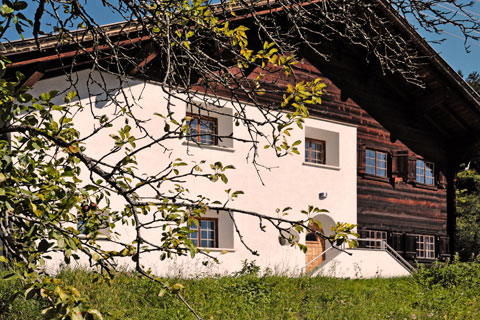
x: 91, y: 219
x: 202, y: 129
x: 376, y: 163
x: 314, y: 151
x: 311, y: 237
x: 205, y: 234
x: 375, y: 239
x: 425, y: 246
x: 425, y: 172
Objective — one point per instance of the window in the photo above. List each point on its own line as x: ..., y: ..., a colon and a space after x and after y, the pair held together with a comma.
x: 376, y: 163
x: 425, y: 172
x: 314, y: 151
x: 202, y: 129
x: 205, y: 234
x: 376, y: 238
x: 91, y: 219
x: 322, y: 147
x: 425, y: 246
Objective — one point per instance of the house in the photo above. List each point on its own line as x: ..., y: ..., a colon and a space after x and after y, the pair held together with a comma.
x: 379, y: 152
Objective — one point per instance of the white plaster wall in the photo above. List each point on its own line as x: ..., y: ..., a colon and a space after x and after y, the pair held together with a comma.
x: 362, y: 263
x: 288, y: 183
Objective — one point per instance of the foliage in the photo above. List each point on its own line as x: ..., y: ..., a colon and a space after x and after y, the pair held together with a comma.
x: 51, y: 182
x: 14, y: 305
x: 468, y: 211
x: 56, y: 194
x: 473, y: 79
x: 248, y: 268
x: 468, y: 199
x: 454, y: 274
x: 272, y: 297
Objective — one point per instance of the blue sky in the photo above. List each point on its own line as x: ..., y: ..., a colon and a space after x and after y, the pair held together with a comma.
x: 452, y: 49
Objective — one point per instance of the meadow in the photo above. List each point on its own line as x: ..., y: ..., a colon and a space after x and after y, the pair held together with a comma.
x: 442, y: 292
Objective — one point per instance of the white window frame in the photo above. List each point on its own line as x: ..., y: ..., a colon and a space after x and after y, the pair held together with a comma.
x: 196, y: 236
x: 376, y: 236
x: 425, y: 246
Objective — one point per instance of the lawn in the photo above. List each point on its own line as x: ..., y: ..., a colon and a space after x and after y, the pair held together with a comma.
x: 451, y: 292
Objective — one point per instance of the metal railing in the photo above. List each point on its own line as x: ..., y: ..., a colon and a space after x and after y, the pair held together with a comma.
x: 381, y: 244
x: 317, y: 257
x: 372, y: 244
x: 395, y: 255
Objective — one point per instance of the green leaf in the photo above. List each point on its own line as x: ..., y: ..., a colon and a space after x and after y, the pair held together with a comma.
x: 20, y: 5
x: 31, y: 292
x: 224, y: 178
x: 177, y: 287
x: 49, y: 313
x: 35, y: 209
x: 6, y: 10
x: 12, y: 276
x: 43, y: 246
x: 162, y: 293
x: 45, y: 97
x: 95, y: 313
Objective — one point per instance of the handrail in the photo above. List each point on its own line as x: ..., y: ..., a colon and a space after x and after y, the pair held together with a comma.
x: 398, y: 257
x: 383, y: 245
x: 317, y: 257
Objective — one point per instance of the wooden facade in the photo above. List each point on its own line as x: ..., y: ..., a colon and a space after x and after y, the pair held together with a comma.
x: 395, y: 203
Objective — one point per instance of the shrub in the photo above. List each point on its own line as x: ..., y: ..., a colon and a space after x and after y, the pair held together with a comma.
x: 451, y: 274
x: 14, y: 305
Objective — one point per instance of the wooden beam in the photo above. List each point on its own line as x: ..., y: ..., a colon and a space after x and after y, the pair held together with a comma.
x: 437, y: 126
x: 66, y: 66
x: 30, y: 82
x: 451, y: 174
x: 146, y: 61
x: 431, y: 101
x: 74, y: 53
x: 456, y: 118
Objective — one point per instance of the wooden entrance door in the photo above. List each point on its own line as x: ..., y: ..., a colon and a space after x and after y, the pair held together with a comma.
x: 315, y: 246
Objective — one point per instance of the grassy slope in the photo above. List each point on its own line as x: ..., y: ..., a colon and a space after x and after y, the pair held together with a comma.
x: 272, y: 297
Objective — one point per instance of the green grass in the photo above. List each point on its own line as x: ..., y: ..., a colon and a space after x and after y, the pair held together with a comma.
x: 431, y: 294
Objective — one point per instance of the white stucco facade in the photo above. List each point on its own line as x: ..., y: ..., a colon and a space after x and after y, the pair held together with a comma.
x: 288, y: 182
